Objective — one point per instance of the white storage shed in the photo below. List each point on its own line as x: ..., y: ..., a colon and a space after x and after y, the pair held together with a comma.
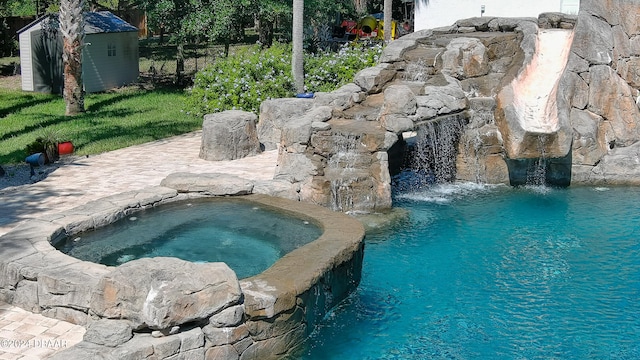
x: 109, y: 58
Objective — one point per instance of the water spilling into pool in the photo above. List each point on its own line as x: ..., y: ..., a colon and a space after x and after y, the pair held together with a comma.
x: 479, y: 272
x: 435, y: 150
x: 249, y: 237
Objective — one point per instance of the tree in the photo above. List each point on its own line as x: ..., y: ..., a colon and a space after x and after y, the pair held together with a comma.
x: 16, y: 8
x: 266, y: 13
x: 297, y: 60
x: 28, y: 7
x: 187, y: 21
x: 72, y: 28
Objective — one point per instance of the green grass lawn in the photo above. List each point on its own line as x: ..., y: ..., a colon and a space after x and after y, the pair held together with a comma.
x: 113, y: 120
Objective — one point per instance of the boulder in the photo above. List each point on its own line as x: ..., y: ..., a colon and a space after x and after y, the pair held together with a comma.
x: 629, y: 70
x: 621, y: 166
x: 278, y: 188
x: 589, y: 137
x: 229, y: 135
x: 576, y: 91
x: 593, y: 40
x: 556, y: 20
x: 224, y: 352
x: 396, y: 123
x: 299, y: 131
x: 216, y: 184
x: 399, y: 103
x: 614, y: 12
x: 611, y: 97
x: 441, y: 98
x: 159, y: 293
x: 218, y: 336
x: 465, y: 58
x: 108, y: 332
x: 83, y: 350
x: 228, y: 317
x: 275, y: 113
x: 622, y: 47
x: 395, y: 50
x: 372, y: 80
x: 478, y: 23
x: 341, y: 98
x: 399, y: 99
x: 635, y: 45
x: 69, y: 286
x: 294, y: 166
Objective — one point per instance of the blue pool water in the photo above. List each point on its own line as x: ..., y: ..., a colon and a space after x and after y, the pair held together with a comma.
x: 249, y: 237
x: 478, y: 272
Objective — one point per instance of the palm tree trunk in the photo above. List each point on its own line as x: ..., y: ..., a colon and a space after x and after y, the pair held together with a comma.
x: 297, y: 62
x: 72, y: 28
x: 388, y: 20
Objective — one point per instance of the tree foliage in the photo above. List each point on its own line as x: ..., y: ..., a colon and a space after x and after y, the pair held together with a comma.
x: 211, y: 20
x: 113, y: 5
x: 28, y: 7
x: 16, y: 8
x: 193, y: 21
x: 266, y: 14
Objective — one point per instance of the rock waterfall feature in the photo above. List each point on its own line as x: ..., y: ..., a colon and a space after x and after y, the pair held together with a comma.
x: 547, y: 100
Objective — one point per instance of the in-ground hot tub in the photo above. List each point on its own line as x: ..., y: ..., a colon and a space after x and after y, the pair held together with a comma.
x: 166, y: 307
x: 247, y: 236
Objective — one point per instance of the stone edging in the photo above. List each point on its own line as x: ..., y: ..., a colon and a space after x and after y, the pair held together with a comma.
x: 277, y: 310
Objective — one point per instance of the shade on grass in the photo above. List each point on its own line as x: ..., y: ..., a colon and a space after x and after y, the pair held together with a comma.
x: 113, y: 120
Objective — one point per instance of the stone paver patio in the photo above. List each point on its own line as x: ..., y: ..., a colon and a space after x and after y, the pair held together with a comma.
x: 27, y: 336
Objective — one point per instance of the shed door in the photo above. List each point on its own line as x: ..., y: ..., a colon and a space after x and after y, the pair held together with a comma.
x: 46, y: 54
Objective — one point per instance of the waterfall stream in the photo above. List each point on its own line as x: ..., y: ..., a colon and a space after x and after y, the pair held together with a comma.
x: 537, y: 171
x: 342, y: 171
x: 433, y: 157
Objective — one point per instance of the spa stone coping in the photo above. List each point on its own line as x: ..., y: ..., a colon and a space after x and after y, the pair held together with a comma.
x: 27, y: 252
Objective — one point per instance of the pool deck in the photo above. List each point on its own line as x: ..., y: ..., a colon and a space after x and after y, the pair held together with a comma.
x: 85, y: 179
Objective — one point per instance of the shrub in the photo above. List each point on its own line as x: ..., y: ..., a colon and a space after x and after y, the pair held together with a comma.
x: 326, y: 71
x: 243, y: 80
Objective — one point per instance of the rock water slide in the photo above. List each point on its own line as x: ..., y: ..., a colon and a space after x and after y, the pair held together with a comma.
x: 536, y: 89
x: 531, y: 126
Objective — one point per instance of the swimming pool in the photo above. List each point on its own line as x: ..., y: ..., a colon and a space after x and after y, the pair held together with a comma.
x: 246, y: 235
x: 494, y: 272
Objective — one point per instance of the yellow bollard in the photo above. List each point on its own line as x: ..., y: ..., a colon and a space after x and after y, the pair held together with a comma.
x: 394, y: 28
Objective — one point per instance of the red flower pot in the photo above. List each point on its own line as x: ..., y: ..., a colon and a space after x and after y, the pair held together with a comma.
x: 65, y: 148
